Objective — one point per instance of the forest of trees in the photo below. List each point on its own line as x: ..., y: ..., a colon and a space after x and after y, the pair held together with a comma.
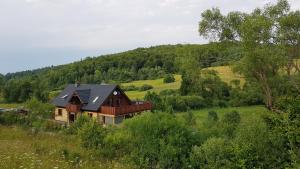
x: 138, y: 64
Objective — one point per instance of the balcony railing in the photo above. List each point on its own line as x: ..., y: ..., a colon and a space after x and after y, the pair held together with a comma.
x: 73, y: 108
x: 136, y: 107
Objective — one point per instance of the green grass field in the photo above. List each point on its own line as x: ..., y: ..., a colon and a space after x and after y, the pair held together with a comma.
x: 158, y: 85
x: 224, y: 72
x: 249, y: 114
x: 21, y: 148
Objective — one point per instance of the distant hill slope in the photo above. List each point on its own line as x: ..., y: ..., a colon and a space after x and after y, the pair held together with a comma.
x: 139, y: 64
x: 214, y: 54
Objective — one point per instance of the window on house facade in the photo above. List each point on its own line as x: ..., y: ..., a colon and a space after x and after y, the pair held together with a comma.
x: 90, y: 115
x: 111, y: 103
x: 118, y: 102
x: 59, y: 112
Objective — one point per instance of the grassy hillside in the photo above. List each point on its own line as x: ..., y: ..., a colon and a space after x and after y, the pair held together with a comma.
x: 224, y: 72
x: 227, y: 75
x: 158, y: 85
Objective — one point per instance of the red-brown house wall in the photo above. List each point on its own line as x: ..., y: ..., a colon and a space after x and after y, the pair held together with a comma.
x: 124, y: 101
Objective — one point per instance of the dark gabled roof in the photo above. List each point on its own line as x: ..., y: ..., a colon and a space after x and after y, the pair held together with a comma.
x: 93, y: 95
x: 83, y: 95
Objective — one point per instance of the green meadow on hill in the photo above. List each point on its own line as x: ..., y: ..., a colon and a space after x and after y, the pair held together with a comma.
x: 224, y: 72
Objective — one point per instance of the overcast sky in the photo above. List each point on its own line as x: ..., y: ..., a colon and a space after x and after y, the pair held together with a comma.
x: 38, y: 33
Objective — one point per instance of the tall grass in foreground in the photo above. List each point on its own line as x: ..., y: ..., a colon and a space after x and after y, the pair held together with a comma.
x: 21, y: 148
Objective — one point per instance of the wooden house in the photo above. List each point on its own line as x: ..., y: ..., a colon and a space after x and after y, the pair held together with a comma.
x: 108, y: 104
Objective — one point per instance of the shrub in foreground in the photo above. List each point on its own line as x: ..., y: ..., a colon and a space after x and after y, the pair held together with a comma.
x: 154, y: 141
x: 230, y: 122
x: 92, y: 134
x: 78, y: 124
x: 215, y: 153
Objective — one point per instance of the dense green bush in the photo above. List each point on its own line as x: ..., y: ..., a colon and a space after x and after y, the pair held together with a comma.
x: 50, y: 125
x: 155, y: 99
x: 211, y: 120
x: 92, y: 134
x: 189, y: 118
x: 222, y: 103
x: 12, y: 118
x: 215, y: 153
x: 250, y: 94
x: 205, y: 83
x: 145, y: 87
x: 287, y: 128
x: 169, y: 92
x: 211, y: 127
x: 255, y: 146
x: 183, y: 103
x: 195, y: 102
x: 154, y: 141
x: 212, y: 116
x: 130, y: 88
x: 37, y: 124
x: 293, y: 129
x: 230, y: 122
x: 176, y: 102
x: 232, y: 117
x: 39, y: 110
x: 169, y: 78
x: 75, y: 127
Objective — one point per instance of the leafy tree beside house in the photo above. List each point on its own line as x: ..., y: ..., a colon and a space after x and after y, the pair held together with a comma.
x: 269, y: 39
